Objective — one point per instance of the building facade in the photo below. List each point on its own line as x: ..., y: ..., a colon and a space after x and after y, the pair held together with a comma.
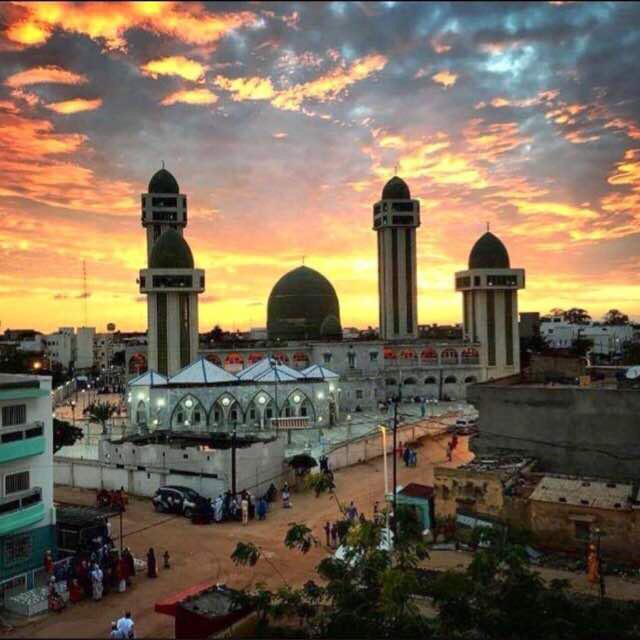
x: 27, y: 514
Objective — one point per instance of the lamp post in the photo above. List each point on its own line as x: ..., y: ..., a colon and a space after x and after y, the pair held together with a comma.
x: 349, y: 427
x: 73, y: 411
x: 383, y: 430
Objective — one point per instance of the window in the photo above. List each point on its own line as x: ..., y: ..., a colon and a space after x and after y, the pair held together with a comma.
x: 17, y: 549
x: 476, y: 281
x: 582, y: 531
x: 327, y: 358
x: 15, y: 482
x: 373, y: 356
x: 14, y: 414
x: 493, y: 280
x: 359, y: 394
x: 352, y: 359
x: 464, y: 281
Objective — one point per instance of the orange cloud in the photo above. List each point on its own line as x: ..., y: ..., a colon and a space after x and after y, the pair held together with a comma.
x: 109, y: 22
x: 191, y: 96
x: 41, y: 75
x: 246, y: 88
x: 491, y: 141
x: 559, y: 209
x: 323, y: 89
x: 628, y: 170
x: 445, y: 78
x: 175, y: 66
x: 76, y: 105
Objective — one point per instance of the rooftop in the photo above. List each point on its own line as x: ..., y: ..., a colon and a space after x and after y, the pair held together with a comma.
x: 217, y: 601
x: 584, y: 492
x: 507, y: 463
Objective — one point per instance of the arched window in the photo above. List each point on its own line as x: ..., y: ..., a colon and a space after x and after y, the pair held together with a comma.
x: 300, y: 360
x: 449, y: 356
x: 408, y: 354
x: 189, y: 414
x: 214, y: 359
x: 281, y: 357
x: 429, y: 356
x: 141, y: 413
x: 470, y: 380
x: 430, y: 380
x: 138, y: 363
x: 410, y: 381
x: 450, y: 380
x: 390, y: 382
x: 470, y: 356
x: 216, y: 416
x: 234, y: 362
x: 255, y: 357
x: 389, y: 354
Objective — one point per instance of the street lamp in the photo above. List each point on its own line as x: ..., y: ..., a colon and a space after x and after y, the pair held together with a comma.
x: 73, y: 411
x: 348, y: 426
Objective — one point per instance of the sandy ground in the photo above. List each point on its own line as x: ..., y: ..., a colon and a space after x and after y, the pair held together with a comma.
x: 201, y: 552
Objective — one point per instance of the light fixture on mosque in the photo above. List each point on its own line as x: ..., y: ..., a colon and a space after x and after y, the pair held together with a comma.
x: 188, y: 403
x: 262, y: 400
x: 296, y: 398
x: 160, y: 402
x: 225, y: 402
x: 320, y: 395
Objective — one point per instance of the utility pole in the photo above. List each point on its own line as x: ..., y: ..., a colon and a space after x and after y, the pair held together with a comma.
x: 85, y: 292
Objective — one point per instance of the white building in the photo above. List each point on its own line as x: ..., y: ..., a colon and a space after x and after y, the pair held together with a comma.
x: 27, y: 515
x: 60, y: 347
x: 608, y: 340
x: 85, y: 339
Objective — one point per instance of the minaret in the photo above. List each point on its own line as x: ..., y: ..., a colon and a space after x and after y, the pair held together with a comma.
x: 395, y: 218
x: 163, y: 207
x: 490, y: 305
x: 171, y: 282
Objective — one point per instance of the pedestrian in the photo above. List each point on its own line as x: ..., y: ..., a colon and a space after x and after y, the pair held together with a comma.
x: 75, y: 591
x: 167, y: 558
x: 151, y: 564
x: 352, y: 512
x: 125, y: 626
x: 454, y: 441
x: 361, y: 518
x: 48, y: 562
x: 218, y: 508
x: 261, y: 509
x: 449, y: 452
x: 334, y: 535
x: 400, y: 450
x: 122, y: 572
x: 131, y: 565
x: 54, y: 599
x: 96, y: 582
x: 245, y: 511
x: 406, y: 456
x: 286, y: 496
x: 327, y: 532
x: 414, y: 458
x: 114, y: 631
x: 376, y: 511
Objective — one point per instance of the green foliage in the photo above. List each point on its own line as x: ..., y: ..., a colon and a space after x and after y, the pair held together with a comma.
x: 246, y: 553
x: 65, y: 434
x: 100, y: 413
x: 319, y: 482
x: 300, y: 537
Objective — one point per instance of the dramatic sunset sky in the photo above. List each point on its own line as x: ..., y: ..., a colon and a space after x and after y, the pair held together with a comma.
x: 281, y: 123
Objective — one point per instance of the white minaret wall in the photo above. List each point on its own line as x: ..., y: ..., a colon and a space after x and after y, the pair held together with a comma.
x: 395, y: 221
x: 158, y: 217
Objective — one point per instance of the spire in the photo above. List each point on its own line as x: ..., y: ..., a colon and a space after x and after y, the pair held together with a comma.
x: 488, y: 226
x: 163, y: 164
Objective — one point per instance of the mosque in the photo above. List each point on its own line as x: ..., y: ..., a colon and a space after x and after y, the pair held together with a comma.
x: 305, y: 374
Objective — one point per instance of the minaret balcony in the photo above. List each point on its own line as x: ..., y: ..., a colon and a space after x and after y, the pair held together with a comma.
x: 171, y: 280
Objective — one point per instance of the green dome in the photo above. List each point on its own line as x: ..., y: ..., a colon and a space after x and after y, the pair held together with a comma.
x: 489, y: 253
x: 163, y: 182
x: 171, y: 251
x: 302, y: 304
x: 396, y: 189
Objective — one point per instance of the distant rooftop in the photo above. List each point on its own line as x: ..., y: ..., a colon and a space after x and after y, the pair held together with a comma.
x: 584, y: 492
x: 499, y: 462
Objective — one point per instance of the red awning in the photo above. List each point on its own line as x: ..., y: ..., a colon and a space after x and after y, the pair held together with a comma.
x: 168, y: 605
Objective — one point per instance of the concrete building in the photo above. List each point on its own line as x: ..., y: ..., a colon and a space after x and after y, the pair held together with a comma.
x: 171, y: 282
x: 608, y: 340
x: 85, y: 340
x: 581, y: 430
x: 27, y: 515
x: 395, y: 219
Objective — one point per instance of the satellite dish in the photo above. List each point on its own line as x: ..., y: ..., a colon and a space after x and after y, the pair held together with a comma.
x: 111, y: 327
x: 633, y: 373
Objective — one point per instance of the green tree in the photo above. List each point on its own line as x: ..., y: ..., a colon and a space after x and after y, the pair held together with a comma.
x: 577, y: 316
x: 615, y: 317
x: 100, y: 413
x: 65, y: 434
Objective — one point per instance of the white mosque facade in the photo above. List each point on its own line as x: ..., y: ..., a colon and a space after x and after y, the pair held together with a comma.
x: 305, y: 374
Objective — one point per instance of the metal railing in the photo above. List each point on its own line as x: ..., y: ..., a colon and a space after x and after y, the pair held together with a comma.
x: 20, y: 500
x: 21, y: 432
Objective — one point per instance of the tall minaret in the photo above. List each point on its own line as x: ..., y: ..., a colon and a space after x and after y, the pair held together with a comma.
x: 163, y: 207
x: 395, y: 218
x: 490, y: 305
x: 171, y: 281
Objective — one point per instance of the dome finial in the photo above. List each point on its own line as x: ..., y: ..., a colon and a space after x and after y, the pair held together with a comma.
x: 396, y: 168
x: 163, y: 164
x: 488, y: 226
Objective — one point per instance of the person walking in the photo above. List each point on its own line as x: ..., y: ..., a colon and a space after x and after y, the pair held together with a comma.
x: 151, y: 564
x: 96, y: 582
x: 261, y: 509
x: 449, y: 452
x: 122, y: 572
x: 115, y: 634
x: 334, y: 535
x: 286, y: 496
x: 406, y: 456
x: 245, y: 511
x: 327, y: 532
x: 126, y: 626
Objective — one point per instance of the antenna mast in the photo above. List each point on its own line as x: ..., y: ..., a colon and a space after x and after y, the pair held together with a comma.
x: 85, y: 293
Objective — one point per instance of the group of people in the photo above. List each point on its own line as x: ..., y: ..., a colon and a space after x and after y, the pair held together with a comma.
x: 241, y: 507
x: 409, y: 455
x: 123, y: 629
x: 116, y: 499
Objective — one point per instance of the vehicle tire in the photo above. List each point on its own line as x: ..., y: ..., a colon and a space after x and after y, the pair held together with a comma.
x: 188, y: 513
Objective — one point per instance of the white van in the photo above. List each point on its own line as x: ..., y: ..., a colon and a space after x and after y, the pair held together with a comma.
x: 466, y: 425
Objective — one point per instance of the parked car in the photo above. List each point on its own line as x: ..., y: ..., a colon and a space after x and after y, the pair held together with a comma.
x: 176, y: 499
x: 466, y: 426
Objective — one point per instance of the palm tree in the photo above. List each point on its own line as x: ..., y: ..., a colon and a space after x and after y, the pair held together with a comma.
x: 100, y: 412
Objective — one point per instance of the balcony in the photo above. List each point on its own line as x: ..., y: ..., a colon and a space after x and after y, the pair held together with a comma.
x: 20, y: 510
x: 22, y: 441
